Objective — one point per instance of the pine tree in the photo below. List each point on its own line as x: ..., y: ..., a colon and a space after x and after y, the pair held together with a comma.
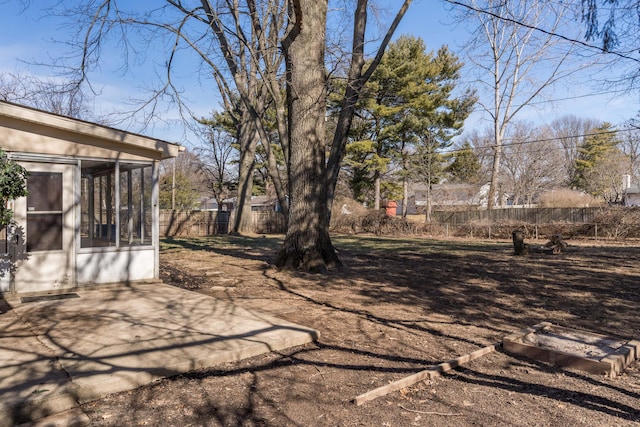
x: 408, y: 114
x: 600, y: 142
x: 465, y: 166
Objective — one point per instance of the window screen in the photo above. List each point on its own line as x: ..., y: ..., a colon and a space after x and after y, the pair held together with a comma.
x: 44, y: 211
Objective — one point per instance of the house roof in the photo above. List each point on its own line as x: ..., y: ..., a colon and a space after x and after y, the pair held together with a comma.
x: 18, y: 120
x: 452, y: 194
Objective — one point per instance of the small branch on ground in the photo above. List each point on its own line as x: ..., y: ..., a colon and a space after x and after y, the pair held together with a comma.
x: 431, y: 413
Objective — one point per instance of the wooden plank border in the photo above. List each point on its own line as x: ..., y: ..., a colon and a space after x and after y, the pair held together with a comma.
x: 430, y: 373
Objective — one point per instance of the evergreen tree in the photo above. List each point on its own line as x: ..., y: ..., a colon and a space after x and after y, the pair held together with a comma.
x: 600, y: 142
x: 465, y: 166
x: 408, y: 108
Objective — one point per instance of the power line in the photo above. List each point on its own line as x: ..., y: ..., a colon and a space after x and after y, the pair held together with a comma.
x: 551, y: 139
x: 549, y: 33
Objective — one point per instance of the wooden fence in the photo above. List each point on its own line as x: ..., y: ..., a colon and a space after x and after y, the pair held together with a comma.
x: 612, y: 222
x: 601, y: 221
x: 525, y: 215
x: 204, y: 223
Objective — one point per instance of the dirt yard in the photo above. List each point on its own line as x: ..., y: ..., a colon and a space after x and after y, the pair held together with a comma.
x: 398, y: 307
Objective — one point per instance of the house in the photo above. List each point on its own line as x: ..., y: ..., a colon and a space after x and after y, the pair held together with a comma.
x: 208, y: 204
x: 631, y: 191
x: 264, y: 204
x: 631, y: 195
x: 448, y: 197
x: 258, y: 204
x: 91, y: 216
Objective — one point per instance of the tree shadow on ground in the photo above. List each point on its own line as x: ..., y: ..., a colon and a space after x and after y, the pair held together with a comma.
x: 566, y: 395
x: 594, y: 288
x: 261, y: 248
x: 256, y: 402
x: 403, y: 305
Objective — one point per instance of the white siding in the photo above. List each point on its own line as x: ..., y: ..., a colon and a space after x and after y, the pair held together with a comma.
x: 116, y: 266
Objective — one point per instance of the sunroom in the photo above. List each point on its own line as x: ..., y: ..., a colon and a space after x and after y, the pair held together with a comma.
x: 91, y: 216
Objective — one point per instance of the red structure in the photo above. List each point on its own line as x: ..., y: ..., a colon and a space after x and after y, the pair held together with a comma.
x: 391, y: 208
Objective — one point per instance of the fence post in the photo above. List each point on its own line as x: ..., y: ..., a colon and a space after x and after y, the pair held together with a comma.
x: 447, y: 231
x: 536, y: 227
x: 596, y: 231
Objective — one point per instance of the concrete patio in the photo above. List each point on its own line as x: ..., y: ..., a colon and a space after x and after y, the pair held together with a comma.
x: 61, y: 351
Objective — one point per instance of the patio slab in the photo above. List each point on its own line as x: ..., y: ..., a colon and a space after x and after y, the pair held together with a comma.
x: 56, y: 354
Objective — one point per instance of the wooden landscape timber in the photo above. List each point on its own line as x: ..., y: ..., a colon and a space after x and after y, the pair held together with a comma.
x: 427, y: 374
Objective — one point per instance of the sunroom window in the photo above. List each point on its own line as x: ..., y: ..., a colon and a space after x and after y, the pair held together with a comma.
x: 116, y: 204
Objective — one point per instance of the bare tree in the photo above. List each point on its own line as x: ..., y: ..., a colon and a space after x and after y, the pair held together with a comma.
x: 515, y: 62
x: 630, y: 145
x: 604, y: 179
x: 532, y: 163
x: 252, y: 54
x: 237, y: 44
x: 218, y: 155
x: 241, y: 44
x: 312, y: 181
x: 54, y: 96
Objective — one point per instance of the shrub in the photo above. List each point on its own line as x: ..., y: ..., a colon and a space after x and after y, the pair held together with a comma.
x: 567, y: 198
x: 351, y: 217
x: 619, y: 222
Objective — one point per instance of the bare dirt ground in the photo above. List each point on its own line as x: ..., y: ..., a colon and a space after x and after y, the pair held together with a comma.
x: 398, y: 307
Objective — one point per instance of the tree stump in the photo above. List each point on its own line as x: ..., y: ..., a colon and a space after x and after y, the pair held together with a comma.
x: 556, y: 243
x: 519, y: 246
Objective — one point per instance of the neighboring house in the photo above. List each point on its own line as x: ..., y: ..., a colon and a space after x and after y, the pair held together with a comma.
x: 264, y: 203
x: 91, y: 215
x: 258, y: 204
x: 208, y: 204
x: 448, y: 197
x: 631, y: 195
x: 631, y: 191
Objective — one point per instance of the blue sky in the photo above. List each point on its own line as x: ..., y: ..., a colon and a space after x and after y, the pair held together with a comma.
x: 583, y: 96
x: 29, y: 36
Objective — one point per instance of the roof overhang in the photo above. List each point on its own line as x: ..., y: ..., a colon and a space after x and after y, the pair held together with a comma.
x: 117, y: 139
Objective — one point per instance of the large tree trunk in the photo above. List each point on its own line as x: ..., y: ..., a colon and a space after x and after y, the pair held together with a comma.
x: 248, y: 140
x: 276, y: 179
x: 495, y: 172
x: 427, y: 214
x: 307, y: 244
